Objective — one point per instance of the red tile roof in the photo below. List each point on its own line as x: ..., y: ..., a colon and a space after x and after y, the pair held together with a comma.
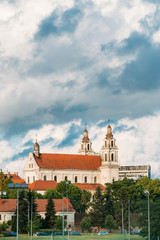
x: 89, y: 186
x: 68, y: 161
x: 9, y: 205
x: 42, y: 185
x: 14, y: 177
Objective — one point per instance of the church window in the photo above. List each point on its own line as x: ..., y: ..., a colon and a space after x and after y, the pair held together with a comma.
x: 44, y: 178
x: 105, y: 143
x: 28, y: 179
x: 88, y: 147
x: 111, y: 143
x: 75, y: 179
x: 33, y: 178
x: 65, y: 178
x: 95, y: 179
x: 112, y: 157
x: 55, y: 178
x: 82, y: 146
x: 85, y: 179
x: 105, y: 156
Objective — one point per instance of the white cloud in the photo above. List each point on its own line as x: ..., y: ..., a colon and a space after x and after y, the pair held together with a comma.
x: 5, y: 150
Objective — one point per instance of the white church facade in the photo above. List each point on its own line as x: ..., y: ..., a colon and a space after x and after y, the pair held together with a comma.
x: 84, y: 167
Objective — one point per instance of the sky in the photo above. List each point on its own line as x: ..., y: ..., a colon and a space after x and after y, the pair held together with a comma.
x: 67, y: 63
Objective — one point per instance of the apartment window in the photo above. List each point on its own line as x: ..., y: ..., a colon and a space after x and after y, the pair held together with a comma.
x: 75, y: 179
x: 65, y: 178
x: 45, y: 178
x: 28, y: 179
x: 85, y: 179
x: 0, y: 217
x: 55, y: 178
x: 105, y: 156
x: 33, y: 178
x: 65, y: 217
x: 95, y: 179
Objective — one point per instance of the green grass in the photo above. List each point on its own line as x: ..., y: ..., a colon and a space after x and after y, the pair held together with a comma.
x: 110, y: 236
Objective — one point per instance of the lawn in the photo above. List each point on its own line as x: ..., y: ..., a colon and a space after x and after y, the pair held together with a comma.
x: 111, y: 236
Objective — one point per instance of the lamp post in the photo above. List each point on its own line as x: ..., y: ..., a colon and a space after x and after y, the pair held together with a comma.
x: 129, y: 220
x: 148, y: 193
x: 18, y: 187
x: 67, y: 207
x: 122, y: 217
x: 63, y: 213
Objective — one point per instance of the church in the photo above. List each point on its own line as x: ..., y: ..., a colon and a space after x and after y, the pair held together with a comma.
x: 84, y: 167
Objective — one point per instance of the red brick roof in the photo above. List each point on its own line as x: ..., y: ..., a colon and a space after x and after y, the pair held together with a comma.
x: 9, y: 205
x: 14, y: 177
x: 42, y: 185
x: 68, y: 161
x: 89, y: 186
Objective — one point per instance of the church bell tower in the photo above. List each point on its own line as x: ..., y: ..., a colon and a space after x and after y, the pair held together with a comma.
x: 109, y: 155
x: 36, y: 149
x: 86, y: 145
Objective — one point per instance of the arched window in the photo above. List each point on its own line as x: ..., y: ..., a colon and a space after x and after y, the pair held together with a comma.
x: 112, y: 157
x: 55, y: 178
x: 95, y: 179
x: 75, y: 179
x: 105, y: 143
x: 44, y: 178
x: 65, y: 178
x: 85, y: 179
x: 105, y: 156
x: 111, y: 143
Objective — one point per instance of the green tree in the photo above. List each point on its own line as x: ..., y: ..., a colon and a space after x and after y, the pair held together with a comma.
x: 85, y: 201
x: 59, y: 223
x: 86, y: 224
x: 36, y: 224
x: 23, y: 214
x: 109, y: 202
x: 50, y: 216
x: 3, y: 227
x: 154, y: 218
x: 110, y: 223
x: 74, y: 194
x: 97, y: 211
x: 53, y: 193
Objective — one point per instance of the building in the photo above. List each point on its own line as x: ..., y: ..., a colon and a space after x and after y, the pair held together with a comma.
x: 40, y: 186
x: 8, y: 207
x: 134, y: 172
x: 82, y: 168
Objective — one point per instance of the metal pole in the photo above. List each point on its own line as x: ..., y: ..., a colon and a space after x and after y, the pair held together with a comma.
x: 129, y: 217
x: 28, y: 218
x: 17, y: 210
x: 122, y: 220
x: 67, y: 208
x: 148, y: 218
x: 31, y: 216
x: 63, y: 214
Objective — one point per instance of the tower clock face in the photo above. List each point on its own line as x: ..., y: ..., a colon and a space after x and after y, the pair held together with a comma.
x: 36, y: 148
